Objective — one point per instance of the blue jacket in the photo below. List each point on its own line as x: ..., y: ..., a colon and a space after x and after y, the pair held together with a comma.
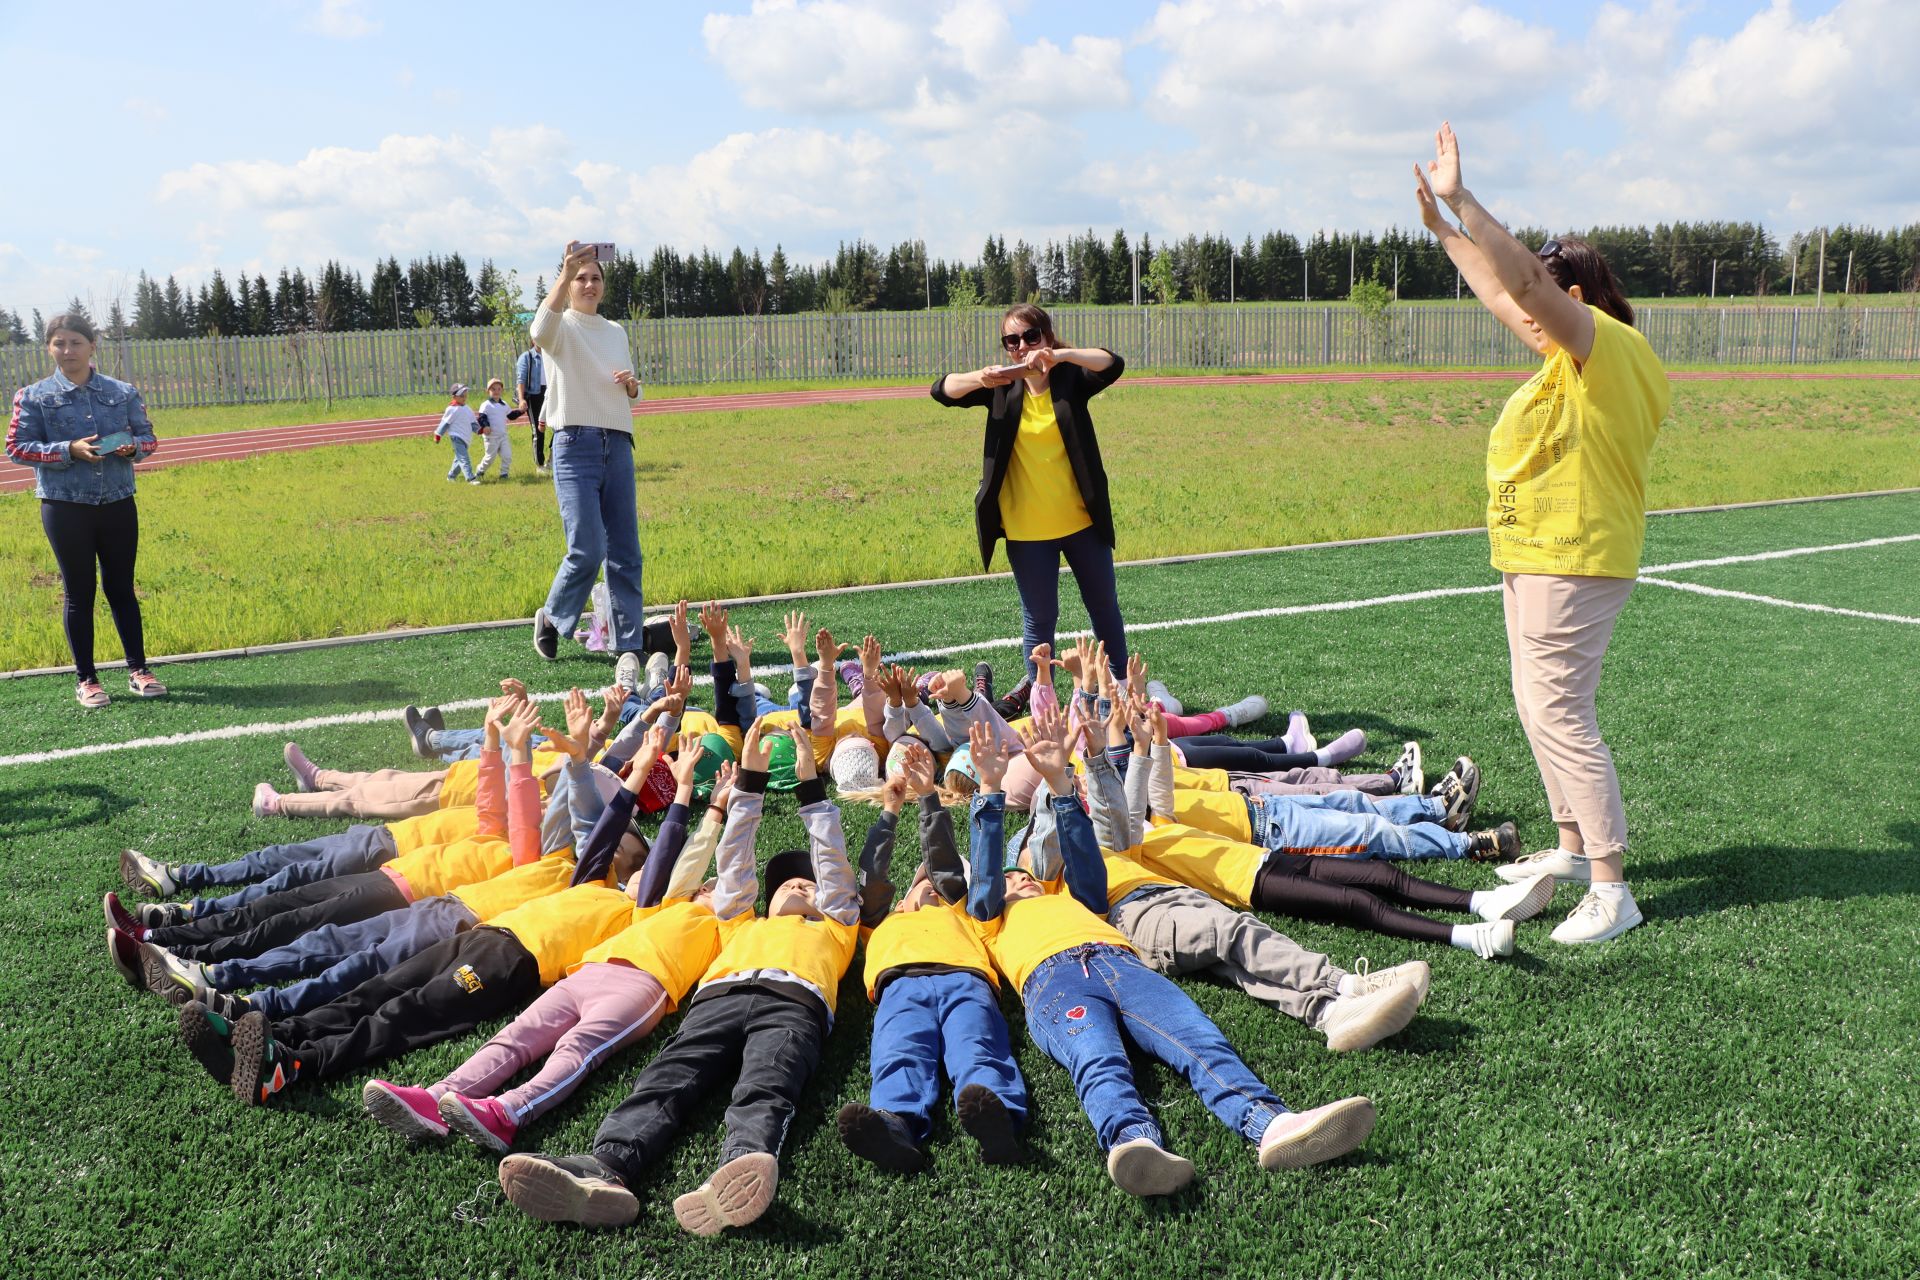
x: 52, y: 413
x: 530, y: 371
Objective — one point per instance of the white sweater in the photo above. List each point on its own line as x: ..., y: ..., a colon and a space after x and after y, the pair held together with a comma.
x: 583, y: 353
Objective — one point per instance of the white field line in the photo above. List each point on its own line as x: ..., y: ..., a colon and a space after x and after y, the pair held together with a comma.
x: 980, y: 646
x: 1723, y: 593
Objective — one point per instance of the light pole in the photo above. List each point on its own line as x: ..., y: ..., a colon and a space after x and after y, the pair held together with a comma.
x: 1303, y: 275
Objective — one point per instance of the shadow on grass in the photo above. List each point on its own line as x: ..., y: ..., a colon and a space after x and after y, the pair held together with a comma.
x: 329, y: 693
x: 1748, y: 875
x: 40, y: 809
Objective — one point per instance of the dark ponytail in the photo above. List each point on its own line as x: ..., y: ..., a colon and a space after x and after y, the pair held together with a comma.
x: 1579, y: 263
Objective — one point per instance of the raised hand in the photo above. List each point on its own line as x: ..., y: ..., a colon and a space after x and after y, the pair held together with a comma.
x: 677, y: 624
x: 741, y: 648
x: 1430, y: 216
x: 917, y: 769
x: 909, y: 685
x: 723, y: 784
x: 950, y: 686
x: 713, y: 620
x: 755, y: 752
x: 827, y: 647
x: 1046, y: 738
x: 1443, y: 171
x: 517, y: 731
x: 579, y: 715
x: 989, y: 756
x: 1136, y: 673
x: 888, y: 682
x: 793, y: 630
x: 1159, y: 723
x: 652, y: 747
x: 612, y: 701
x: 684, y: 764
x: 805, y: 763
x: 1140, y: 721
x: 513, y: 688
x: 678, y: 688
x: 869, y: 659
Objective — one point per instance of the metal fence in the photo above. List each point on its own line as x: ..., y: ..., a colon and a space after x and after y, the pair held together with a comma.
x: 177, y: 373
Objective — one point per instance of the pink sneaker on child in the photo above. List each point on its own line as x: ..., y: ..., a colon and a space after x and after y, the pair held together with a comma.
x: 483, y: 1120
x: 266, y: 801
x: 408, y: 1111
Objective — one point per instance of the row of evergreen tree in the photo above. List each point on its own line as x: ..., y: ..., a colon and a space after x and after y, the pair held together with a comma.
x: 1687, y: 259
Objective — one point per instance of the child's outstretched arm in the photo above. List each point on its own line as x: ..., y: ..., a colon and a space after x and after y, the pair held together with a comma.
x: 490, y: 794
x: 793, y: 630
x: 663, y: 856
x: 691, y: 868
x: 872, y: 697
x: 876, y: 857
x: 937, y: 845
x: 1160, y: 798
x: 523, y: 790
x: 987, y: 890
x: 825, y: 695
x: 594, y: 858
x: 834, y: 892
x: 739, y: 884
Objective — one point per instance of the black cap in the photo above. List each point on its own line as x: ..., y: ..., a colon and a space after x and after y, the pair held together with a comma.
x: 788, y: 864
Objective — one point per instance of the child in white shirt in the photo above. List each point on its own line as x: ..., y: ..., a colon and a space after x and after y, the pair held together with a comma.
x: 494, y: 416
x: 458, y: 422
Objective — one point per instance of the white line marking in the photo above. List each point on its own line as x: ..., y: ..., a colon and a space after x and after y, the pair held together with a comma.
x: 1722, y: 592
x: 980, y: 646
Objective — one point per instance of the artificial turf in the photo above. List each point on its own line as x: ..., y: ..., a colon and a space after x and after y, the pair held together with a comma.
x: 1725, y: 1091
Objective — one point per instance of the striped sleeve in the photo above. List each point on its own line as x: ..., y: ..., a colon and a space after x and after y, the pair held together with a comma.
x: 26, y: 436
x: 146, y: 444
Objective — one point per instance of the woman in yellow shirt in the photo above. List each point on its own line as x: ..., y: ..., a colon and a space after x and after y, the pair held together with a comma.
x: 1567, y: 483
x: 1042, y: 484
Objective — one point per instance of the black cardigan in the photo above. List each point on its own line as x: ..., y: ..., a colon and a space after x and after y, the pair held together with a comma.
x: 1072, y: 386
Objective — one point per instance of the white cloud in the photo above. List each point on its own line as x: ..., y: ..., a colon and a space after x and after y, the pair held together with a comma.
x: 341, y: 20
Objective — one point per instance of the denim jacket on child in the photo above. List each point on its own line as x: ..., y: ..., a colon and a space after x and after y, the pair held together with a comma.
x: 52, y: 413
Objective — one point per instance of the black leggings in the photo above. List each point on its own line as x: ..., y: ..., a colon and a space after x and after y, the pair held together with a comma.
x: 1222, y: 751
x: 534, y: 400
x: 80, y: 533
x: 1365, y: 893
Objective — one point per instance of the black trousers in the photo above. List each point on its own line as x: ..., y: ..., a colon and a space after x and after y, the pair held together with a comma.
x: 534, y: 400
x: 81, y: 533
x: 447, y: 990
x: 279, y: 918
x: 770, y: 1043
x: 1222, y: 751
x: 1366, y: 893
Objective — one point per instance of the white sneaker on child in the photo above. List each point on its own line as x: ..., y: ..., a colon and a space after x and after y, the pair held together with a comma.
x: 1245, y: 711
x: 1558, y: 863
x: 1601, y: 916
x: 626, y: 672
x: 1487, y: 940
x: 1158, y: 692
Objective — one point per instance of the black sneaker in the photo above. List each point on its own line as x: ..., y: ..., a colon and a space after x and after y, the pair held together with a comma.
x: 1502, y: 844
x: 417, y: 728
x: 880, y: 1137
x: 262, y: 1066
x: 163, y: 915
x: 207, y: 1036
x: 983, y: 680
x: 657, y: 637
x: 546, y: 636
x: 1018, y: 699
x: 1459, y: 790
x: 567, y: 1189
x: 983, y: 1115
x: 435, y: 721
x: 231, y: 1007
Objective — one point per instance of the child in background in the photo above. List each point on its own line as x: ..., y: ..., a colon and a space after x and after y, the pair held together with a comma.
x: 458, y: 423
x: 493, y: 416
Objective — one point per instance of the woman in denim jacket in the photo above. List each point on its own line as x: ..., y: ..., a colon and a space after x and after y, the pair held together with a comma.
x: 86, y: 496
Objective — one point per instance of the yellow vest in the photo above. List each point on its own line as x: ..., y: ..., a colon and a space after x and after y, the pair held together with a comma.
x: 938, y: 934
x: 816, y: 951
x: 675, y: 942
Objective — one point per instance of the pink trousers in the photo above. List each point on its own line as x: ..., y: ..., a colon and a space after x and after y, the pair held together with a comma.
x: 383, y: 796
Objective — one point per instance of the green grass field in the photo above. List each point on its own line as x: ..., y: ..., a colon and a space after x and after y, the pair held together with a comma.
x: 1727, y: 1091
x: 359, y: 538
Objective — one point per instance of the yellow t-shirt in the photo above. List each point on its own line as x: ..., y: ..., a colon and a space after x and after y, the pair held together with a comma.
x: 560, y: 927
x: 461, y: 786
x: 1218, y: 867
x: 851, y: 721
x: 517, y: 886
x: 1185, y: 779
x: 938, y: 934
x: 1036, y: 929
x: 674, y: 942
x: 1567, y: 461
x: 1125, y: 875
x: 442, y: 826
x: 1223, y: 813
x: 815, y: 951
x: 1039, y: 498
x: 436, y: 869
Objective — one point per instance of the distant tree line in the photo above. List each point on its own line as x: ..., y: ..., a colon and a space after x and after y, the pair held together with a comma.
x: 1683, y: 259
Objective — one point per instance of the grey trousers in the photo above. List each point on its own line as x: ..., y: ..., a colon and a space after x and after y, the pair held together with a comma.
x: 1181, y: 930
x: 1311, y: 781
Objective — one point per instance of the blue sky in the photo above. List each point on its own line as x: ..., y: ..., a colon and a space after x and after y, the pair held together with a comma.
x: 291, y: 131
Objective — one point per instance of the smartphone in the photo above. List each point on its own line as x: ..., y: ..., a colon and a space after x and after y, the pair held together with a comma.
x: 1010, y: 369
x: 118, y: 440
x: 602, y: 250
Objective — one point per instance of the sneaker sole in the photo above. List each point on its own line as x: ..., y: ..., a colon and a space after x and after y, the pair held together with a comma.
x: 737, y: 1194
x: 985, y: 1118
x: 1148, y: 1171
x: 461, y: 1120
x: 250, y: 1038
x: 1388, y: 1017
x: 134, y: 974
x: 1339, y: 1127
x: 208, y: 1047
x: 146, y: 693
x: 139, y: 881
x: 391, y: 1113
x: 1620, y: 926
x: 1533, y: 902
x: 866, y: 1135
x: 540, y: 1190
x: 540, y: 625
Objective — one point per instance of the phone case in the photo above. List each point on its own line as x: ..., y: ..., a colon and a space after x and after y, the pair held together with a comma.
x: 118, y: 440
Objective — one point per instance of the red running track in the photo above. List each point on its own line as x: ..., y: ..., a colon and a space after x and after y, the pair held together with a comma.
x: 227, y: 446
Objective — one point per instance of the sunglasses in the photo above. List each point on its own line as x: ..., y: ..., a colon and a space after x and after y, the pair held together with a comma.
x: 1025, y: 338
x: 1550, y: 250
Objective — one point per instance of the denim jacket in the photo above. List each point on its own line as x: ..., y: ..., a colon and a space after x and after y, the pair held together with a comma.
x: 52, y: 413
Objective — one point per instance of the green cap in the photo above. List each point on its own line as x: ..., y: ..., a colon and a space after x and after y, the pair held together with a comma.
x: 780, y: 774
x: 717, y: 754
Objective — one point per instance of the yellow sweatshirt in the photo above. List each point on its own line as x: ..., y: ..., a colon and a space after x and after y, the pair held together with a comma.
x: 517, y: 886
x: 442, y: 826
x: 560, y: 928
x: 815, y: 951
x: 1224, y: 813
x: 937, y: 934
x: 1222, y: 868
x: 461, y: 786
x: 675, y: 942
x: 1036, y: 929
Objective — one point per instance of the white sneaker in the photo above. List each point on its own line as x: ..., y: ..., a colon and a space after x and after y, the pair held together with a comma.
x: 1597, y: 919
x: 1143, y: 1167
x: 1298, y: 1139
x: 1414, y: 973
x: 145, y: 875
x: 659, y: 670
x: 626, y: 672
x: 1558, y: 863
x: 1493, y: 938
x: 1412, y: 769
x: 1362, y: 1021
x: 1158, y: 692
x: 1522, y: 900
x: 1245, y: 711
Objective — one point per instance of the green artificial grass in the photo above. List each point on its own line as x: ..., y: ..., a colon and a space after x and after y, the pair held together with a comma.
x: 359, y: 538
x: 1727, y: 1091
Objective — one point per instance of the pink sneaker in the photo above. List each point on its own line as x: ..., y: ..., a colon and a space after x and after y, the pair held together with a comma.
x: 408, y: 1111
x: 266, y: 801
x: 88, y: 693
x: 1294, y: 1140
x: 144, y: 683
x: 303, y: 769
x: 483, y: 1120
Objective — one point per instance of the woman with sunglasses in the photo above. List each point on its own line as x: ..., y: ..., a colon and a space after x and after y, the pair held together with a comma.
x: 1042, y: 485
x: 1567, y: 480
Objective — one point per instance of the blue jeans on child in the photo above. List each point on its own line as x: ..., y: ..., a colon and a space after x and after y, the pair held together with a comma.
x: 1036, y: 575
x: 1351, y: 824
x: 462, y: 464
x: 361, y: 847
x: 929, y: 1020
x: 593, y: 479
x: 341, y: 956
x: 448, y: 745
x: 1085, y: 1004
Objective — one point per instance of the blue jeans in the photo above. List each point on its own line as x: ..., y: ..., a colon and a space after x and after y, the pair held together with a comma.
x: 928, y: 1020
x: 341, y: 956
x: 1084, y: 1004
x: 1036, y: 575
x: 1351, y: 824
x: 462, y: 464
x: 593, y: 478
x: 448, y: 745
x: 359, y: 848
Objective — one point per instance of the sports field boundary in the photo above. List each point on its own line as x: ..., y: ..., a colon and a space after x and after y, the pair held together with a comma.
x: 456, y: 628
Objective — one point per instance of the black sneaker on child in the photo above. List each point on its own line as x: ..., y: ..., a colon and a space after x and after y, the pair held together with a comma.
x: 417, y: 728
x: 1502, y: 844
x: 983, y: 1115
x: 208, y: 1037
x: 880, y: 1137
x: 546, y: 636
x: 983, y: 680
x: 1018, y: 699
x: 435, y: 721
x: 576, y: 1189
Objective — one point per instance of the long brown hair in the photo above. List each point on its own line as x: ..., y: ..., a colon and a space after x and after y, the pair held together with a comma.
x: 1031, y: 317
x: 1580, y: 263
x: 73, y: 322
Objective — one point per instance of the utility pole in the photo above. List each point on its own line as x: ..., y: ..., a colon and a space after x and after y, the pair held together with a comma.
x: 1231, y: 295
x: 1793, y: 278
x: 1713, y: 281
x: 1820, y: 279
x: 1136, y: 275
x: 1396, y: 277
x: 1303, y: 275
x: 1352, y: 248
x: 1849, y: 286
x: 927, y: 267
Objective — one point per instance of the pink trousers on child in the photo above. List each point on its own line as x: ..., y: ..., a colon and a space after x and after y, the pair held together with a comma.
x: 578, y: 1023
x: 382, y: 796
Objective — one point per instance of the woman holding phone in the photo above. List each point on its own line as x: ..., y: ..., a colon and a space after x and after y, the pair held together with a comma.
x: 1042, y: 485
x: 1567, y: 486
x: 81, y: 432
x: 589, y: 410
